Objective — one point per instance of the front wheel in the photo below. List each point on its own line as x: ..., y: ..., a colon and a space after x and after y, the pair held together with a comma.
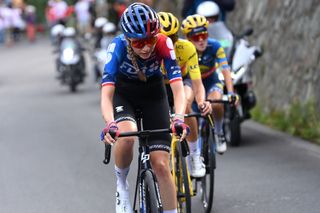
x: 207, y: 182
x: 183, y: 181
x: 73, y: 87
x: 150, y: 195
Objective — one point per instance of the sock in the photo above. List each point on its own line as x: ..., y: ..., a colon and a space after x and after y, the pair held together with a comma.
x: 194, y: 147
x: 121, y: 175
x: 218, y: 126
x: 170, y: 211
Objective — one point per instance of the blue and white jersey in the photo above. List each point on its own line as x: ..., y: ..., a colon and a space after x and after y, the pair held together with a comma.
x: 119, y: 61
x: 212, y: 56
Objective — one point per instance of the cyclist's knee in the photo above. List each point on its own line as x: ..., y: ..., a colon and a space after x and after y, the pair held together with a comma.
x: 161, y: 167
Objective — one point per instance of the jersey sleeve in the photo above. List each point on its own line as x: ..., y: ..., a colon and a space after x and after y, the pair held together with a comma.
x: 166, y: 50
x: 192, y: 64
x: 221, y: 57
x: 111, y: 66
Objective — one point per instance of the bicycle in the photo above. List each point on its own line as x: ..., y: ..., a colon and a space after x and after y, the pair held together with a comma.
x: 182, y: 177
x: 146, y: 182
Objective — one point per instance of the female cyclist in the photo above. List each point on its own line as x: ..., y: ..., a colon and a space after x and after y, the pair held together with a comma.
x: 132, y: 80
x: 187, y: 58
x: 210, y: 53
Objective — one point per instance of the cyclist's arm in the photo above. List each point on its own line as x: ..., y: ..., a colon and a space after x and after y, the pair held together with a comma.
x: 173, y: 74
x: 192, y: 66
x: 199, y: 91
x: 108, y: 79
x: 178, y: 97
x: 223, y: 63
x: 107, y: 103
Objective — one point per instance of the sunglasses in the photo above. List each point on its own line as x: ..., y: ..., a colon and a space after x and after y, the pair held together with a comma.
x: 140, y: 43
x: 199, y: 36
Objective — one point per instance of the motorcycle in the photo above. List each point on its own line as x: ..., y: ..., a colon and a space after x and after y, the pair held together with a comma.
x: 240, y: 55
x: 71, y: 63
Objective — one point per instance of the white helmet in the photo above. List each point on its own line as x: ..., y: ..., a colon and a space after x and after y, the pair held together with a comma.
x: 100, y: 22
x: 30, y: 9
x: 208, y: 9
x: 69, y: 32
x: 109, y: 28
x: 57, y: 30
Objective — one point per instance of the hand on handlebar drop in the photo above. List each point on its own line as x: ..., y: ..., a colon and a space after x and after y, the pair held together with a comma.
x: 110, y: 133
x: 233, y: 98
x: 205, y: 108
x: 180, y: 129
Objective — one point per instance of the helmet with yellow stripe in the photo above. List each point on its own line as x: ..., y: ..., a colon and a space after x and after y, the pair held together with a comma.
x: 194, y: 24
x: 169, y: 23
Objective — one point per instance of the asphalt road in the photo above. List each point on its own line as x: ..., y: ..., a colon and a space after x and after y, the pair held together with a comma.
x: 51, y: 160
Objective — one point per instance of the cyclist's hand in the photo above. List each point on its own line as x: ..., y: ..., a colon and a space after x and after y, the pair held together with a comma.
x: 205, y: 108
x: 110, y: 133
x: 180, y: 129
x: 233, y: 98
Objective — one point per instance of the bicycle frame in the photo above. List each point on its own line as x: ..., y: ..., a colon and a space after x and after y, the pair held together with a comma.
x: 174, y: 150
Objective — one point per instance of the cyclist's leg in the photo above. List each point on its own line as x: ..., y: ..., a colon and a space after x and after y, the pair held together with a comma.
x: 156, y: 116
x: 125, y: 118
x: 160, y: 165
x: 214, y: 90
x: 123, y: 151
x: 192, y: 122
x: 197, y: 168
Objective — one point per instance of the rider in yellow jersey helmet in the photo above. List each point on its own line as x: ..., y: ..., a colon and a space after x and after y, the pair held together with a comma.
x: 187, y: 58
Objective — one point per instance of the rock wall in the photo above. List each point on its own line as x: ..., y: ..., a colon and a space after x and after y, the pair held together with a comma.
x: 289, y: 32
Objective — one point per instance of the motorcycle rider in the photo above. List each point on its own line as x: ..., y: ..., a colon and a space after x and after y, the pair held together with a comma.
x: 56, y: 33
x: 217, y: 29
x: 69, y: 33
x: 187, y: 59
x: 210, y: 53
x: 98, y: 25
x: 109, y: 32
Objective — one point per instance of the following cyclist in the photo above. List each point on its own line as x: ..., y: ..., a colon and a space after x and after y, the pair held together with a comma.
x: 187, y: 59
x: 210, y: 53
x: 132, y: 79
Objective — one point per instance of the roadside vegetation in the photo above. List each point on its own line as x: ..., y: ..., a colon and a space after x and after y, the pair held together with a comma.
x: 300, y: 120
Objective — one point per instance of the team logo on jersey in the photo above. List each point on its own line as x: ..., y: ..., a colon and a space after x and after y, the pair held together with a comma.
x: 119, y: 109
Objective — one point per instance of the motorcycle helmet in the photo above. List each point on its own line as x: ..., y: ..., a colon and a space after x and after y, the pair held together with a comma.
x: 169, y: 23
x: 57, y: 30
x: 208, y: 9
x: 139, y: 21
x: 69, y: 32
x: 100, y: 22
x: 194, y: 24
x: 109, y: 28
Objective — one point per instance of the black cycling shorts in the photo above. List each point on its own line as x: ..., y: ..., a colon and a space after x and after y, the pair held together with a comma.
x: 151, y: 99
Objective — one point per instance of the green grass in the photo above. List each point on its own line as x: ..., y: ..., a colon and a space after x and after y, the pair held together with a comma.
x: 300, y: 120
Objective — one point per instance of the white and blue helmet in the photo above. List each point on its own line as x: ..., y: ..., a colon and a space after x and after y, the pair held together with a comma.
x: 139, y: 21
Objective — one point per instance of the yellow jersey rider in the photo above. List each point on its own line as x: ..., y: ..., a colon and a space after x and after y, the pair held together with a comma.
x: 187, y: 59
